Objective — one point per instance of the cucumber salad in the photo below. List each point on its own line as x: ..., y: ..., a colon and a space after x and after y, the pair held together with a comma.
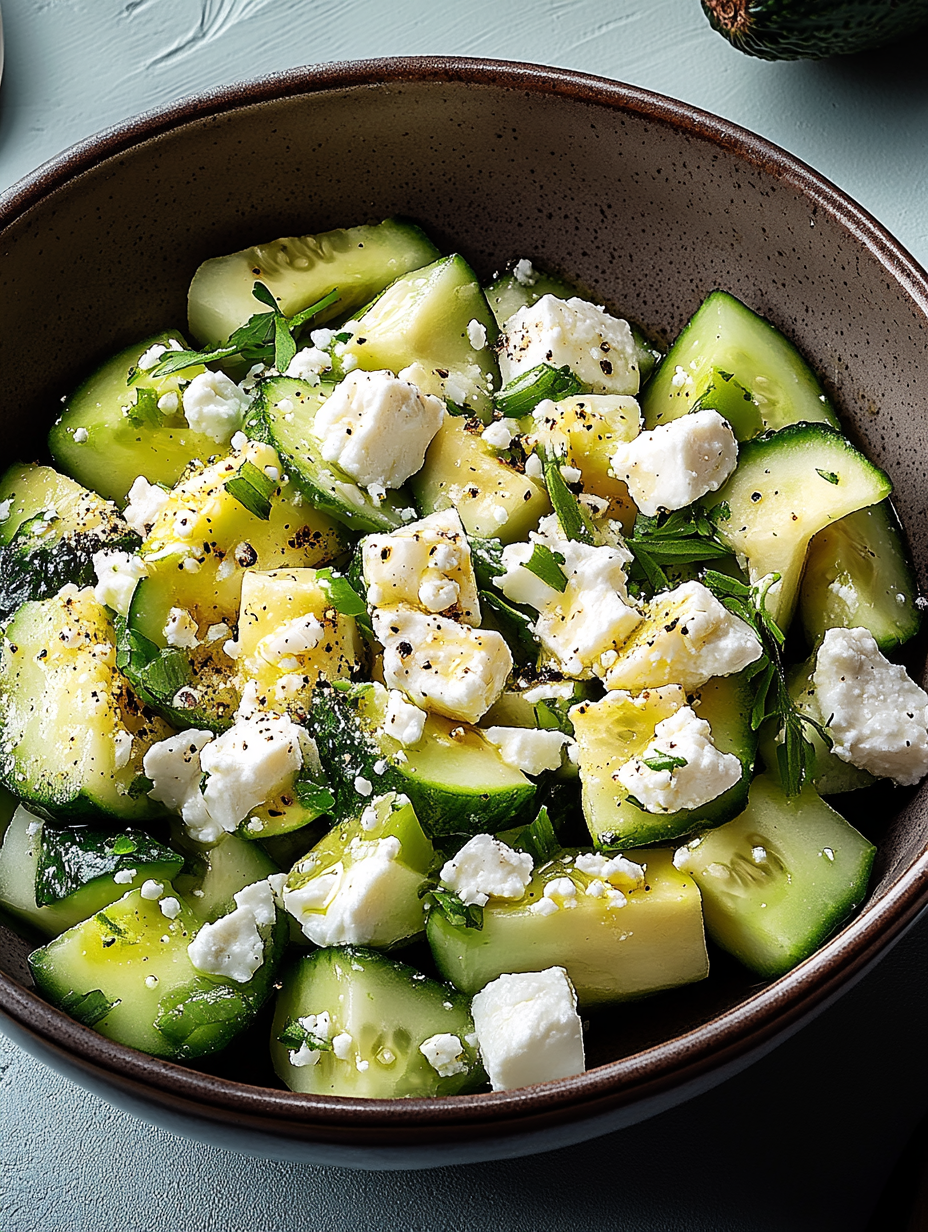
x: 397, y: 668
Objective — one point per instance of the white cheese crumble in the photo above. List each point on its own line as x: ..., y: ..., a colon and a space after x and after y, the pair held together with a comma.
x: 344, y: 905
x: 705, y: 774
x: 122, y: 748
x: 170, y: 907
x: 476, y: 334
x: 377, y: 427
x: 524, y: 273
x: 342, y: 1045
x: 320, y: 1027
x: 616, y: 870
x: 5, y: 507
x: 180, y: 629
x: 215, y: 406
x: 876, y: 715
x: 118, y: 574
x: 403, y: 721
x: 500, y: 433
x: 426, y: 564
x: 169, y: 402
x: 232, y: 946
x: 81, y: 436
x: 309, y: 364
x: 529, y: 749
x: 677, y: 462
x: 598, y: 348
x: 247, y: 764
x: 294, y: 637
x: 445, y: 1053
x: 151, y: 890
x: 125, y: 876
x: 689, y: 637
x: 441, y: 665
x: 528, y: 1029
x: 146, y: 500
x: 486, y: 868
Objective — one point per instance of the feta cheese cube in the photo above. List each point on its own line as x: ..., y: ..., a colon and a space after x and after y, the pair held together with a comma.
x: 441, y: 665
x: 529, y: 749
x: 476, y: 334
x: 688, y: 638
x: 426, y: 564
x: 403, y: 721
x: 524, y: 272
x: 377, y: 428
x: 146, y: 500
x: 487, y: 868
x: 232, y: 946
x: 876, y: 715
x: 215, y: 406
x: 118, y: 574
x: 247, y: 764
x: 180, y: 629
x: 598, y: 348
x: 445, y: 1053
x: 677, y: 462
x: 528, y: 1029
x: 309, y: 364
x: 704, y: 774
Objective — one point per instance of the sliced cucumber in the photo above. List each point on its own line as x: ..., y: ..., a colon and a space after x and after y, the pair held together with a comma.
x: 619, y: 727
x: 67, y: 713
x: 387, y: 1011
x: 52, y: 879
x: 613, y: 950
x: 126, y: 972
x: 111, y: 431
x: 299, y: 270
x: 363, y: 882
x: 733, y: 402
x: 422, y: 320
x: 455, y: 778
x: 788, y: 486
x: 858, y: 575
x: 463, y: 471
x: 780, y: 878
x: 725, y: 336
x: 212, y: 876
x: 283, y: 415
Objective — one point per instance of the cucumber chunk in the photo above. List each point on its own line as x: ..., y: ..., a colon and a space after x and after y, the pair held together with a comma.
x: 283, y: 415
x: 388, y: 1011
x: 858, y: 575
x: 53, y: 528
x: 299, y: 270
x: 780, y: 878
x: 615, y: 944
x: 363, y: 882
x: 788, y: 486
x: 68, y: 716
x: 463, y: 471
x: 455, y: 778
x: 422, y: 320
x: 52, y: 879
x: 111, y: 431
x: 725, y: 336
x: 126, y: 972
x: 212, y: 876
x: 619, y: 727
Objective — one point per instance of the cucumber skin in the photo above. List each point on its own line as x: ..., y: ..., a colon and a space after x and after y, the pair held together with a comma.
x: 812, y: 29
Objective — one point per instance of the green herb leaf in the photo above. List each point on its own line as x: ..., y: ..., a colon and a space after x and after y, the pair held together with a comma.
x: 313, y: 310
x: 828, y: 476
x: 264, y: 295
x: 546, y: 565
x: 313, y: 795
x: 522, y: 395
x: 540, y: 838
x: 515, y: 624
x: 253, y: 489
x: 123, y: 845
x: 295, y: 1035
x: 683, y: 536
x: 573, y: 519
x: 454, y: 911
x: 87, y: 1008
x: 284, y: 345
x: 145, y: 412
x: 664, y: 761
x: 140, y: 786
x: 341, y: 594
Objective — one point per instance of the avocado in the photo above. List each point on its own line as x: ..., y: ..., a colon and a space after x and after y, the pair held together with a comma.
x: 812, y: 29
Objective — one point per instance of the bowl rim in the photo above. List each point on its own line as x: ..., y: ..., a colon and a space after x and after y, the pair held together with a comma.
x: 734, y: 1036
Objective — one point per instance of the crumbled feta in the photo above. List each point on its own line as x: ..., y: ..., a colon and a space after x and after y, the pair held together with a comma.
x: 550, y: 690
x: 426, y: 564
x: 81, y: 436
x: 500, y: 433
x: 403, y: 721
x: 342, y: 1045
x: 215, y: 406
x: 524, y: 273
x: 122, y: 748
x: 309, y: 364
x: 598, y: 348
x: 118, y: 575
x: 5, y: 507
x: 218, y: 632
x: 232, y: 946
x: 876, y: 715
x: 151, y: 890
x: 688, y: 638
x: 529, y: 749
x: 146, y: 500
x: 616, y: 870
x: 677, y: 462
x: 247, y: 764
x: 149, y: 358
x: 486, y: 868
x: 319, y: 1026
x: 294, y: 637
x: 363, y: 786
x: 377, y: 427
x: 561, y: 890
x: 170, y: 907
x: 445, y: 1054
x: 125, y: 876
x: 345, y: 905
x: 544, y: 906
x: 180, y: 629
x: 704, y: 775
x: 441, y: 665
x: 528, y: 1029
x: 476, y: 334
x: 169, y: 402
x: 239, y: 441
x: 173, y: 765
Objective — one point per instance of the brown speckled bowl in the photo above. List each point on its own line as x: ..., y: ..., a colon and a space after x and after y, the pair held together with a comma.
x: 646, y: 201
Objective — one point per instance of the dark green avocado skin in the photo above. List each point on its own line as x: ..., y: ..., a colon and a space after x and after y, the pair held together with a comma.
x: 813, y: 29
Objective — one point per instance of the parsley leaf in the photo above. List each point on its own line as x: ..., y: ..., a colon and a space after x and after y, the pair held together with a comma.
x: 253, y: 489
x: 546, y: 565
x: 682, y: 537
x: 458, y: 914
x: 540, y: 838
x: 295, y: 1035
x: 664, y: 761
x: 828, y: 476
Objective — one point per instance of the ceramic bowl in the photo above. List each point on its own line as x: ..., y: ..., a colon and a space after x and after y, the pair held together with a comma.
x: 650, y: 204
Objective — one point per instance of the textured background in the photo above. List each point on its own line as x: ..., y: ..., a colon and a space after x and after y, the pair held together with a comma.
x: 806, y: 1137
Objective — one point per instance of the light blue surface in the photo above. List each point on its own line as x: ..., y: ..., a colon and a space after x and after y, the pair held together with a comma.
x: 803, y: 1129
